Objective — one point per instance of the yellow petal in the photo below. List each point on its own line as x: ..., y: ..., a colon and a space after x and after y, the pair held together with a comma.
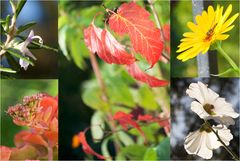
x: 227, y: 29
x: 222, y: 37
x: 230, y: 21
x: 226, y: 14
x: 187, y: 54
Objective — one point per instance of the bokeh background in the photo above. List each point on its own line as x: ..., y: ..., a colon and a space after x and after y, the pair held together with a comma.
x: 45, y: 14
x: 184, y: 120
x: 77, y: 77
x: 181, y: 13
x: 12, y: 92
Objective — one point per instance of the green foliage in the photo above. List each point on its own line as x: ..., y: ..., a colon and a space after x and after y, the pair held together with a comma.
x: 132, y: 152
x: 150, y: 154
x: 97, y: 126
x: 163, y: 149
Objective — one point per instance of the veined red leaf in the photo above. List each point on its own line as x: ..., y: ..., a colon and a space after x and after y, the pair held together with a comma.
x: 145, y: 37
x: 81, y: 139
x: 139, y: 75
x: 125, y: 120
x: 106, y: 46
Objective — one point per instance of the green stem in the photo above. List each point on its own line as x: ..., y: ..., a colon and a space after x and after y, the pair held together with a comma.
x: 234, y: 156
x: 226, y: 56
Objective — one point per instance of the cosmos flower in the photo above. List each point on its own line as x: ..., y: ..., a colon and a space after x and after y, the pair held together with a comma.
x: 203, y: 141
x: 25, y: 51
x: 209, y: 105
x: 210, y: 27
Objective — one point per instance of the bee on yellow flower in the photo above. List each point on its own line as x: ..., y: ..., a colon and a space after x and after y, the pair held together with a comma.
x: 210, y: 27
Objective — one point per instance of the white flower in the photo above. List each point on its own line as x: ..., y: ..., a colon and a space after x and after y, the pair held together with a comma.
x: 25, y: 51
x: 201, y: 142
x: 209, y: 105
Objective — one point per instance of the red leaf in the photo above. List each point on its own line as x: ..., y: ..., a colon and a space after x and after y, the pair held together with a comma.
x: 145, y: 37
x: 81, y: 139
x: 139, y: 75
x: 106, y: 46
x: 145, y: 117
x: 5, y: 153
x: 125, y: 120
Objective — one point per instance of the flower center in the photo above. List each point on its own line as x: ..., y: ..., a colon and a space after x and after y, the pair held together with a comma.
x: 210, y: 33
x: 209, y: 109
x: 205, y: 127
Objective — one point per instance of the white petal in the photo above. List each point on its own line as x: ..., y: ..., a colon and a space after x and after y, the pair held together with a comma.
x: 225, y: 120
x: 195, y: 143
x: 198, y: 109
x: 224, y: 134
x: 212, y: 142
x: 204, y: 151
x: 223, y: 108
x: 28, y: 53
x: 23, y: 64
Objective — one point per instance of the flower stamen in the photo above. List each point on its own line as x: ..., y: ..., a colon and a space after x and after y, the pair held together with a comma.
x: 209, y: 109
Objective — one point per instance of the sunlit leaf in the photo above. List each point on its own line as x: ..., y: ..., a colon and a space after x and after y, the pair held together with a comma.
x: 97, y: 126
x: 8, y: 70
x: 150, y: 154
x: 104, y: 148
x: 62, y: 41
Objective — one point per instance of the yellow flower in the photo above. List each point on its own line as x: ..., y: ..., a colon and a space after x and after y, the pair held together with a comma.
x: 211, y: 26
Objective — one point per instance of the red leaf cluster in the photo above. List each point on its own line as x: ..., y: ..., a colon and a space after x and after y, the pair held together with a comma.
x: 145, y: 37
x: 126, y: 120
x: 106, y: 46
x: 81, y: 139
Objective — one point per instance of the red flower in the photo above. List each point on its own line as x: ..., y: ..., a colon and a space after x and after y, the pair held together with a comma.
x: 81, y: 139
x: 5, y: 153
x: 125, y: 120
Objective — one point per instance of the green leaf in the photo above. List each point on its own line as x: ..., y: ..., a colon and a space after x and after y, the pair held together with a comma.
x: 8, y: 19
x: 93, y: 98
x: 97, y: 126
x: 78, y: 50
x: 163, y: 149
x: 104, y: 148
x: 8, y: 70
x: 12, y: 61
x: 132, y: 152
x: 17, y: 54
x: 125, y: 138
x: 150, y: 154
x: 62, y: 41
x: 119, y: 92
x: 145, y: 97
x: 20, y: 5
x: 25, y: 27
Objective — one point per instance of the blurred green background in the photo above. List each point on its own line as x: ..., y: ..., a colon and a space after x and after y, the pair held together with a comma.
x: 181, y: 13
x: 12, y: 92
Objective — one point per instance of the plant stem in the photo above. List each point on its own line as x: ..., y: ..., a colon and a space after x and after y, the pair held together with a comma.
x: 234, y: 156
x: 98, y: 75
x: 50, y: 154
x: 226, y: 56
x: 157, y: 19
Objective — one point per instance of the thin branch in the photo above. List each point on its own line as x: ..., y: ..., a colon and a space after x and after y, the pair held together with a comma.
x: 157, y: 19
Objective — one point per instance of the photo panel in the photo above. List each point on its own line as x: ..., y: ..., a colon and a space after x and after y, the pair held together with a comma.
x: 114, y: 80
x: 198, y: 106
x: 29, y: 40
x: 203, y: 38
x: 29, y: 119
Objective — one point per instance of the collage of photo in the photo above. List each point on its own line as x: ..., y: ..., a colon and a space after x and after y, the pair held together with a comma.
x: 124, y: 80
